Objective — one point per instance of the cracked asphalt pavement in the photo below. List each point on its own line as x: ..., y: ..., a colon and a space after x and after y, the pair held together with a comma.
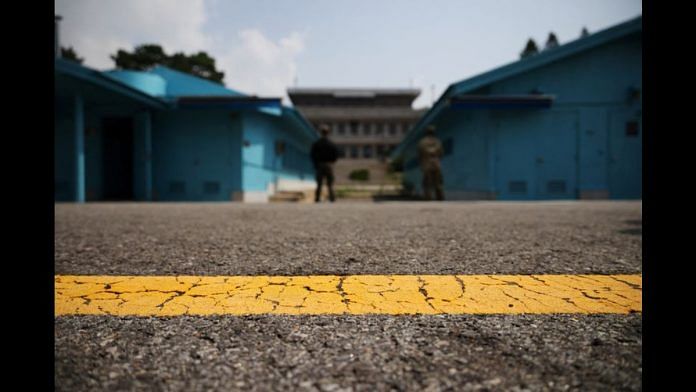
x: 349, y: 352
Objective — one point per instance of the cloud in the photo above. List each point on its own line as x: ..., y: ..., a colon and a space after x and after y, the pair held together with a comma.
x: 256, y: 64
x: 97, y: 29
x: 252, y: 62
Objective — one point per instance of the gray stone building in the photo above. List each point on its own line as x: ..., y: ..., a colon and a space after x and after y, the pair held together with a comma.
x: 366, y: 124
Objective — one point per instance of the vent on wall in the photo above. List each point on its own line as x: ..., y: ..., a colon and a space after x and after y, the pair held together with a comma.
x: 210, y: 187
x: 517, y: 186
x: 556, y: 186
x: 177, y: 187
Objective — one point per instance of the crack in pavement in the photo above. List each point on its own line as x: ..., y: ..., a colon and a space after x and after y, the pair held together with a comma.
x: 345, y: 300
x: 631, y: 285
x: 423, y: 291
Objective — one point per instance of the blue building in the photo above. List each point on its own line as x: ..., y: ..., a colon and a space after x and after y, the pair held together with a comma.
x: 165, y: 135
x: 565, y: 123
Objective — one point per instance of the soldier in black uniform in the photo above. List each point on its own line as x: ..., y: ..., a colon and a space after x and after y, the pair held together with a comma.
x: 430, y: 151
x: 324, y: 154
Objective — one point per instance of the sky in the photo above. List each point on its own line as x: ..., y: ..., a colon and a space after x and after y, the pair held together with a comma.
x: 266, y: 46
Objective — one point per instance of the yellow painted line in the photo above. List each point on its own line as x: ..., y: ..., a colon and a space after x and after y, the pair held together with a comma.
x: 354, y: 294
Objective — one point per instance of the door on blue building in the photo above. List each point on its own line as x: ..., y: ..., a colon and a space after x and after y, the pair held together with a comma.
x: 625, y: 154
x: 515, y: 161
x: 536, y: 155
x: 117, y: 158
x: 556, y: 160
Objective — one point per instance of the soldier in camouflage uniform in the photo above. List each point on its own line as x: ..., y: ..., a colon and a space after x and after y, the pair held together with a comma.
x: 429, y: 153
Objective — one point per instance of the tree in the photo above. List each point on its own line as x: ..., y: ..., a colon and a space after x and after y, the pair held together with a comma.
x: 551, y: 42
x: 529, y: 50
x: 584, y: 33
x: 148, y: 55
x: 70, y: 54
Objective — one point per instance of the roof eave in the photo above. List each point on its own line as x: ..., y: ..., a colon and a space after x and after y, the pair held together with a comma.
x: 203, y: 100
x: 96, y: 78
x: 301, y: 123
x: 427, y: 118
x: 543, y: 58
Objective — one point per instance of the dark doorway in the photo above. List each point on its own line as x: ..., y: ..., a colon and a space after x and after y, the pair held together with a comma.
x: 117, y: 152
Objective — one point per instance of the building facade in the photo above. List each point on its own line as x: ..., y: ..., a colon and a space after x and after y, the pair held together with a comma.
x: 565, y: 123
x: 366, y: 124
x: 162, y: 135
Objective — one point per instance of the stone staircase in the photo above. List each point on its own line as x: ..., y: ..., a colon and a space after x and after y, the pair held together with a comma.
x: 342, y: 169
x: 306, y: 196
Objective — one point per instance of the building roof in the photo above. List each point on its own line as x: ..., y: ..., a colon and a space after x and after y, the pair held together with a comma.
x: 465, y: 101
x: 352, y: 97
x: 183, y: 90
x: 541, y: 59
x: 552, y: 55
x: 182, y: 84
x: 98, y: 79
x: 223, y: 100
x: 353, y: 92
x: 376, y: 113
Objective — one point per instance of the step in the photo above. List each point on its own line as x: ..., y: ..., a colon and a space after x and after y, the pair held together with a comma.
x: 287, y: 196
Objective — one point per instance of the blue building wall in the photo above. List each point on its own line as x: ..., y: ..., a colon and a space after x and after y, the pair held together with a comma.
x: 196, y: 155
x: 264, y: 161
x: 466, y: 168
x: 160, y: 145
x: 579, y: 148
x: 93, y: 156
x: 63, y: 152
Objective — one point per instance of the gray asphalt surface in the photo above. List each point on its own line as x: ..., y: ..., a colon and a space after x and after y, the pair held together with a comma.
x: 349, y: 353
x: 351, y: 238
